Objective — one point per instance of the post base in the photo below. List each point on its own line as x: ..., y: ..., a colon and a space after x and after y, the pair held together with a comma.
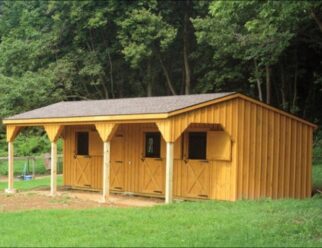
x: 103, y: 200
x: 10, y: 191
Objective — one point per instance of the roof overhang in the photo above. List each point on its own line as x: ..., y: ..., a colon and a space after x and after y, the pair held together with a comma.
x: 136, y: 118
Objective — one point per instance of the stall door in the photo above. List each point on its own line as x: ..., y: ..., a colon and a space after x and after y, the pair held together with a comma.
x: 117, y: 176
x: 88, y: 159
x: 82, y: 169
x: 197, y: 179
x: 153, y: 163
x: 196, y: 170
x: 153, y: 175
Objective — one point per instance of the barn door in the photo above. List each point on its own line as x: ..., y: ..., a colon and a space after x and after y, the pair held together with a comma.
x: 196, y: 179
x: 153, y: 175
x: 117, y: 176
x: 83, y: 171
x: 153, y: 163
x: 196, y: 166
x: 82, y: 160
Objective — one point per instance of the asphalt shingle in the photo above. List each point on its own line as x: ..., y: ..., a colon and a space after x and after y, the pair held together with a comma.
x: 123, y: 106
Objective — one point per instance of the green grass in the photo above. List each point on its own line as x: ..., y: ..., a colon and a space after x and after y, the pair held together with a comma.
x: 244, y: 223
x: 296, y: 223
x: 27, y: 185
x: 20, y: 164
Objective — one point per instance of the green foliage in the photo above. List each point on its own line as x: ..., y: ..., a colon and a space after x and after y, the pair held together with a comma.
x: 143, y: 34
x: 317, y: 176
x: 71, y: 50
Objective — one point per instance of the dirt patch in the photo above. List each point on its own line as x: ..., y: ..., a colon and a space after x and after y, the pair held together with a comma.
x: 31, y: 201
x: 40, y: 199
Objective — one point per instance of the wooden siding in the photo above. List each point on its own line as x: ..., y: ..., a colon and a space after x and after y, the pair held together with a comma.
x: 137, y: 170
x: 222, y: 173
x: 274, y: 154
x: 271, y: 155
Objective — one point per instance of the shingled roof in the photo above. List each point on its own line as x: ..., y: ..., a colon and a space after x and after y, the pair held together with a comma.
x: 124, y: 106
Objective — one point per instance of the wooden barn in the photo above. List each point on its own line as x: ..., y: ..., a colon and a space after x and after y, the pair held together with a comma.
x: 224, y: 146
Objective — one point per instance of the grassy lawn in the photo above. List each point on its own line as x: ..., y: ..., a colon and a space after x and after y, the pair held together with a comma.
x: 296, y: 223
x: 20, y: 164
x: 244, y: 223
x: 27, y: 185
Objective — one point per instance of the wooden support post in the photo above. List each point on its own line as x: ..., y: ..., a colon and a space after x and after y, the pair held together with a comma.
x: 53, y: 131
x: 10, y: 189
x: 53, y: 170
x: 169, y: 173
x: 12, y: 132
x: 106, y: 170
x: 106, y: 131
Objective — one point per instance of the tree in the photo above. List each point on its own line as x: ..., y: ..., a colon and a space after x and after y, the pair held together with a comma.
x: 144, y: 37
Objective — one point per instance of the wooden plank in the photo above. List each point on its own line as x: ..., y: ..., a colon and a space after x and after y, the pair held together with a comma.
x: 298, y: 171
x: 270, y: 157
x: 259, y: 183
x: 169, y: 174
x: 246, y: 151
x: 280, y: 184
x: 309, y: 168
x: 10, y: 189
x: 53, y: 169
x: 277, y: 153
x: 241, y: 144
x: 293, y: 160
x: 53, y: 131
x: 253, y: 153
x: 12, y: 132
x: 106, y: 170
x: 288, y: 156
x: 305, y: 162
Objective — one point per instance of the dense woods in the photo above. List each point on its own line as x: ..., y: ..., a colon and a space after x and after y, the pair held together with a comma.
x: 70, y: 50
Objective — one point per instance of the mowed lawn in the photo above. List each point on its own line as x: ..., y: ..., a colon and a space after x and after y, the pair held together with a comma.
x: 207, y: 223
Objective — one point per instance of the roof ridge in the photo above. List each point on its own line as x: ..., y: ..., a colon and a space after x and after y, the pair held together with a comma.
x: 147, y: 97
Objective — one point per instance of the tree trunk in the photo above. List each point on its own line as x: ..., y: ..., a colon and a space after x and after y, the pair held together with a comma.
x: 283, y: 84
x: 186, y: 50
x: 258, y: 81
x: 167, y: 77
x: 111, y: 74
x: 149, y: 80
x: 316, y: 19
x: 294, y: 102
x: 268, y: 84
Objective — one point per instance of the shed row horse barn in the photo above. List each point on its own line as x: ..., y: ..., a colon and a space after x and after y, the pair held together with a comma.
x: 223, y: 146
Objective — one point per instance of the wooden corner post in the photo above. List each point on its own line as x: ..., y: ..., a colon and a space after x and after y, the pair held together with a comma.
x: 53, y: 131
x: 170, y: 133
x: 106, y: 132
x: 169, y: 174
x: 12, y: 132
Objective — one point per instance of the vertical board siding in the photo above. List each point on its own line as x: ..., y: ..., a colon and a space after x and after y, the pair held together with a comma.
x: 222, y: 174
x: 274, y: 154
x: 271, y: 153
